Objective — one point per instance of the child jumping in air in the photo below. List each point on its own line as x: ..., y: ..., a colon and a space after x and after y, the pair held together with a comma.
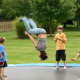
x: 41, y: 34
x: 3, y: 60
x: 60, y: 40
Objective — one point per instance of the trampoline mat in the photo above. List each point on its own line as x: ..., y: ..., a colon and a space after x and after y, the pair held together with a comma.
x: 42, y: 73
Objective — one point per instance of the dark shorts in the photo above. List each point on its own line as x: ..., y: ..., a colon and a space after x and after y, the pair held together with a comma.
x: 60, y: 54
x: 3, y: 64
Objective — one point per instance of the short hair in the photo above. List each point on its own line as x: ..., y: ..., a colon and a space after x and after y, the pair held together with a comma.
x: 60, y: 27
x: 2, y: 39
x: 43, y: 55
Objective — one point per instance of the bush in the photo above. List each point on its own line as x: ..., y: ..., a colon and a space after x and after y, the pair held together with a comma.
x: 46, y: 26
x: 20, y: 28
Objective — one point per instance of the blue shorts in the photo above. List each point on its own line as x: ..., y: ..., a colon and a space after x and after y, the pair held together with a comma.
x: 3, y: 64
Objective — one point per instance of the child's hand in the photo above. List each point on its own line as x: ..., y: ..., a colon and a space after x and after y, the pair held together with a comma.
x: 58, y: 37
x: 26, y: 33
x: 0, y: 58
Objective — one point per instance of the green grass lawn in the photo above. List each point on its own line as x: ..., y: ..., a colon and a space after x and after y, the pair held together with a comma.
x: 22, y: 50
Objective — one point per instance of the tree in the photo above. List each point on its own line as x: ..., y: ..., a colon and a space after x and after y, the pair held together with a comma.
x: 0, y: 3
x: 48, y: 10
x: 13, y: 8
x: 0, y: 7
x: 77, y: 17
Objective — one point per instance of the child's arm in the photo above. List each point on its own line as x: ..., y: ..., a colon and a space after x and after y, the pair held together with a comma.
x: 61, y: 39
x: 55, y: 38
x: 32, y: 39
x: 1, y: 56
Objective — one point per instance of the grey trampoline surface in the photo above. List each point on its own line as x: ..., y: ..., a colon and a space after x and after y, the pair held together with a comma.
x: 42, y: 73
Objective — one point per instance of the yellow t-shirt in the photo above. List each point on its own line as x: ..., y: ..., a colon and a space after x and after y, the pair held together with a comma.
x: 60, y: 45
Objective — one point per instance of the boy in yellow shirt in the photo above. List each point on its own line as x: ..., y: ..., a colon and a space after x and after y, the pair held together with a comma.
x: 60, y: 40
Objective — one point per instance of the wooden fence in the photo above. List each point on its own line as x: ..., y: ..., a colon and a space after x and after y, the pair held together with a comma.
x: 6, y: 26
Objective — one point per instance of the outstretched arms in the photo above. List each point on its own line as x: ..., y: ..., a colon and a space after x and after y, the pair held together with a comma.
x: 32, y: 39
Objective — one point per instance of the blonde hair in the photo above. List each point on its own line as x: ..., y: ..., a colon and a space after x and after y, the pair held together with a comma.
x: 60, y: 27
x: 2, y: 39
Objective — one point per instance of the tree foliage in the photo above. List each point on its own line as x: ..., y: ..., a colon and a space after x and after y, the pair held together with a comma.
x: 78, y: 9
x: 13, y: 8
x: 0, y: 3
x: 77, y: 17
x: 20, y: 28
x: 46, y: 25
x: 48, y: 10
x: 43, y: 11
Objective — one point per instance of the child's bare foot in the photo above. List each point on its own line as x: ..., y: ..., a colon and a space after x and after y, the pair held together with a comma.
x: 56, y: 68
x: 65, y: 68
x: 3, y: 78
x: 0, y: 77
x: 74, y: 59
